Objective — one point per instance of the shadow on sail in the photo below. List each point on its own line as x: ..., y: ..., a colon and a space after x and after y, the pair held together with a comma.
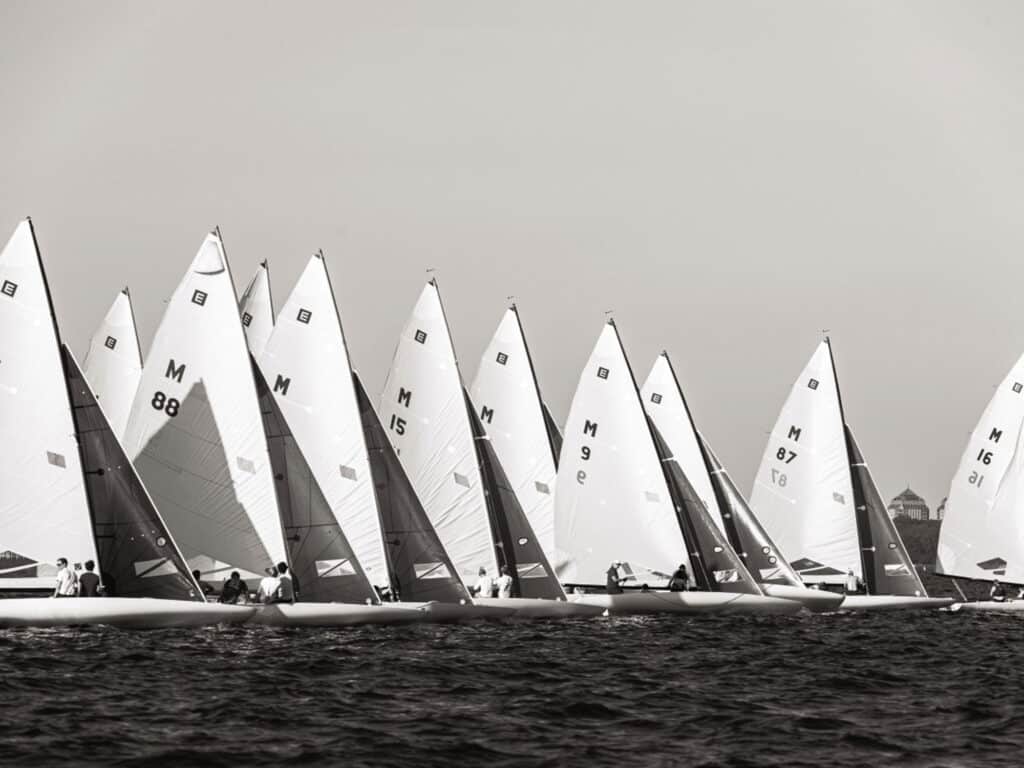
x: 419, y: 566
x: 322, y: 562
x: 137, y: 556
x: 185, y: 469
x: 515, y: 544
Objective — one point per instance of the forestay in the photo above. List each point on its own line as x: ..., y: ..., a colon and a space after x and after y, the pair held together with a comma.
x: 980, y: 535
x: 257, y: 310
x: 802, y: 491
x: 424, y: 411
x: 195, y: 430
x: 510, y: 408
x: 612, y: 502
x: 137, y: 555
x: 44, y: 511
x: 113, y: 364
x: 307, y: 366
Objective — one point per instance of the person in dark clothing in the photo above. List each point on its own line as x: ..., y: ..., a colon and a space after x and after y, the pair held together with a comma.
x: 613, y: 583
x: 89, y: 582
x: 998, y: 592
x: 205, y: 586
x: 680, y: 581
x: 234, y: 590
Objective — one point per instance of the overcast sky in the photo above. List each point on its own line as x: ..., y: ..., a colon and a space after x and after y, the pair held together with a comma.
x: 729, y: 177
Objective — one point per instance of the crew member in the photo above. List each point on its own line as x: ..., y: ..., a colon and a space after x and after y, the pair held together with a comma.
x: 680, y: 581
x: 998, y: 592
x: 269, y: 585
x: 234, y: 590
x: 67, y: 581
x: 89, y: 582
x: 205, y: 586
x: 285, y: 589
x: 613, y: 582
x: 852, y: 583
x: 504, y: 583
x: 484, y: 584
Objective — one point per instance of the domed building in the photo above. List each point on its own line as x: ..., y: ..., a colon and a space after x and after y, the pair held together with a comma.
x: 908, y: 504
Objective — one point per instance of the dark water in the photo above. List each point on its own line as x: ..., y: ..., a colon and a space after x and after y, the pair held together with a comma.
x: 914, y: 689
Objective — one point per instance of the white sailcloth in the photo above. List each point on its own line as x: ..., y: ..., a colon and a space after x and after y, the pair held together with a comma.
x: 612, y: 501
x: 257, y: 309
x: 982, y: 534
x: 509, y: 405
x: 44, y: 512
x: 308, y: 369
x: 423, y: 408
x: 195, y: 431
x: 664, y: 402
x: 802, y: 492
x: 113, y: 364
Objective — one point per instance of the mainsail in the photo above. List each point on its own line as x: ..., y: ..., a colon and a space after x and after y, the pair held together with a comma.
x: 510, y: 408
x: 307, y: 366
x: 424, y: 410
x: 322, y: 562
x: 195, y: 430
x: 612, y: 502
x: 419, y: 566
x: 44, y: 511
x: 113, y: 364
x: 982, y: 534
x: 257, y: 310
x: 137, y: 555
x: 803, y: 493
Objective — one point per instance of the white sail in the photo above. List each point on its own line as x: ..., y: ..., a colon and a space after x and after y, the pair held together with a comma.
x: 257, y: 309
x: 664, y: 402
x: 307, y: 366
x: 802, y: 492
x: 981, y: 535
x: 44, y: 512
x: 195, y: 431
x: 113, y: 364
x: 612, y: 501
x: 423, y: 408
x: 508, y: 403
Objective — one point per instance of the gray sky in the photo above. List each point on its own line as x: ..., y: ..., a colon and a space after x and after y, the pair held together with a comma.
x: 729, y: 177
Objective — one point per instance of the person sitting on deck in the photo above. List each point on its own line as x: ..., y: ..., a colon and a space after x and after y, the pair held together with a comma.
x: 852, y: 583
x: 680, y: 581
x: 998, y: 592
x: 613, y: 582
x: 67, y: 581
x: 234, y: 590
x: 205, y: 586
x: 484, y: 584
x: 285, y: 590
x: 504, y: 583
x: 89, y: 582
x: 269, y: 585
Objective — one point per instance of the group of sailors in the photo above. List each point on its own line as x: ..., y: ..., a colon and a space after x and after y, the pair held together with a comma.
x: 997, y: 592
x: 277, y: 586
x: 72, y: 584
x: 486, y: 586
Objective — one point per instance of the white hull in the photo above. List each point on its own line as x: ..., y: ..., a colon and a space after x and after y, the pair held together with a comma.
x: 453, y: 612
x: 123, y: 612
x: 688, y: 602
x: 893, y: 603
x: 1009, y: 606
x: 336, y: 614
x: 534, y: 608
x: 816, y: 600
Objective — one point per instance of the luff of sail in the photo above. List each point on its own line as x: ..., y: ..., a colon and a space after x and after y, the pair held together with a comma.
x: 888, y: 569
x: 136, y: 553
x: 44, y: 510
x: 424, y: 411
x: 256, y: 308
x: 516, y: 543
x: 307, y: 365
x: 802, y: 492
x: 195, y: 431
x: 980, y: 537
x: 419, y: 566
x: 510, y: 409
x: 322, y: 561
x: 612, y: 502
x: 113, y: 364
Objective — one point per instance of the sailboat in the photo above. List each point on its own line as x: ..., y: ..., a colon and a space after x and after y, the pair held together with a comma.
x: 521, y: 431
x: 815, y: 494
x: 980, y: 534
x: 315, y: 415
x: 622, y: 499
x: 446, y: 452
x: 257, y: 310
x: 196, y: 433
x: 68, y: 489
x: 667, y: 407
x: 113, y: 364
